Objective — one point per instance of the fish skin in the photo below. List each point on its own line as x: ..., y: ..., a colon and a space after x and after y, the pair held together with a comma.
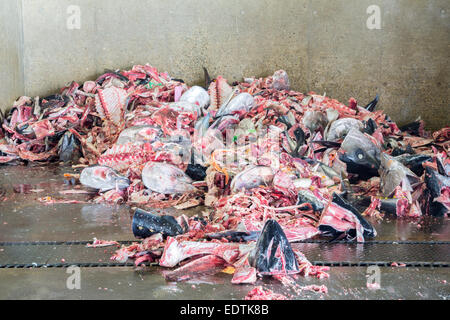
x: 235, y: 236
x: 166, y: 178
x: 202, y: 125
x: 103, y: 178
x: 196, y: 172
x: 273, y: 254
x: 69, y: 147
x: 369, y: 230
x: 145, y: 224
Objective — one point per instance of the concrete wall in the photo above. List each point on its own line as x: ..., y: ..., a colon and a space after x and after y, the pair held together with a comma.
x: 324, y: 46
x: 11, y: 66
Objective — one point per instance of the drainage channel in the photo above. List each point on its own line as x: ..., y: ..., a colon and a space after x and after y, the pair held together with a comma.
x: 382, y: 253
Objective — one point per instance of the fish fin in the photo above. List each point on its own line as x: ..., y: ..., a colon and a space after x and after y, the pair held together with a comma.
x: 207, y: 78
x: 371, y: 106
x: 328, y: 144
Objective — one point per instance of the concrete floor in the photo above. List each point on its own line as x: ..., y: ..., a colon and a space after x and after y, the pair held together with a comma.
x: 23, y: 218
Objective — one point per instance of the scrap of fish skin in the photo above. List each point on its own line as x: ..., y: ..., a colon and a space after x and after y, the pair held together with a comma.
x: 166, y: 178
x: 252, y: 177
x: 103, y: 178
x: 393, y: 173
x: 145, y: 224
x: 196, y: 95
x: 338, y: 129
x: 242, y: 102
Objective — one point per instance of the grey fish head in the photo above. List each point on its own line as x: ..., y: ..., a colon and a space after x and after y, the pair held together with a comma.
x: 196, y: 95
x: 340, y: 128
x: 103, y: 178
x: 313, y: 120
x: 252, y: 177
x: 360, y: 152
x: 393, y: 173
x: 435, y: 181
x: 140, y: 134
x: 166, y: 178
x: 306, y: 196
x: 273, y: 254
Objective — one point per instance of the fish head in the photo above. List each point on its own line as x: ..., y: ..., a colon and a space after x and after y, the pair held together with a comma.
x: 360, y: 154
x: 314, y: 120
x: 393, y: 174
x: 166, y: 178
x: 196, y: 95
x: 103, y: 178
x: 273, y: 254
x: 252, y: 177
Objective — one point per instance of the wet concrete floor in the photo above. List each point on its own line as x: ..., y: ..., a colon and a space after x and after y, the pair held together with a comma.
x: 24, y: 218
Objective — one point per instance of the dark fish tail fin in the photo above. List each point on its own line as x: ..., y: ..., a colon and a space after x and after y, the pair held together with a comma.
x: 273, y: 254
x: 371, y: 106
x: 207, y: 78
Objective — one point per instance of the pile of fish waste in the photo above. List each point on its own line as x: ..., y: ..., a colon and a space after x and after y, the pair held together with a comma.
x: 270, y: 165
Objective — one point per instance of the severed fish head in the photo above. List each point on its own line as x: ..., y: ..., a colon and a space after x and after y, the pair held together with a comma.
x: 139, y: 134
x: 393, y: 174
x: 273, y: 254
x: 339, y: 128
x: 196, y: 95
x: 103, y: 178
x: 361, y: 155
x: 314, y: 120
x: 166, y: 178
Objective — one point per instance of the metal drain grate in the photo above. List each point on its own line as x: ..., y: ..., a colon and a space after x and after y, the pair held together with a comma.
x: 62, y: 254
